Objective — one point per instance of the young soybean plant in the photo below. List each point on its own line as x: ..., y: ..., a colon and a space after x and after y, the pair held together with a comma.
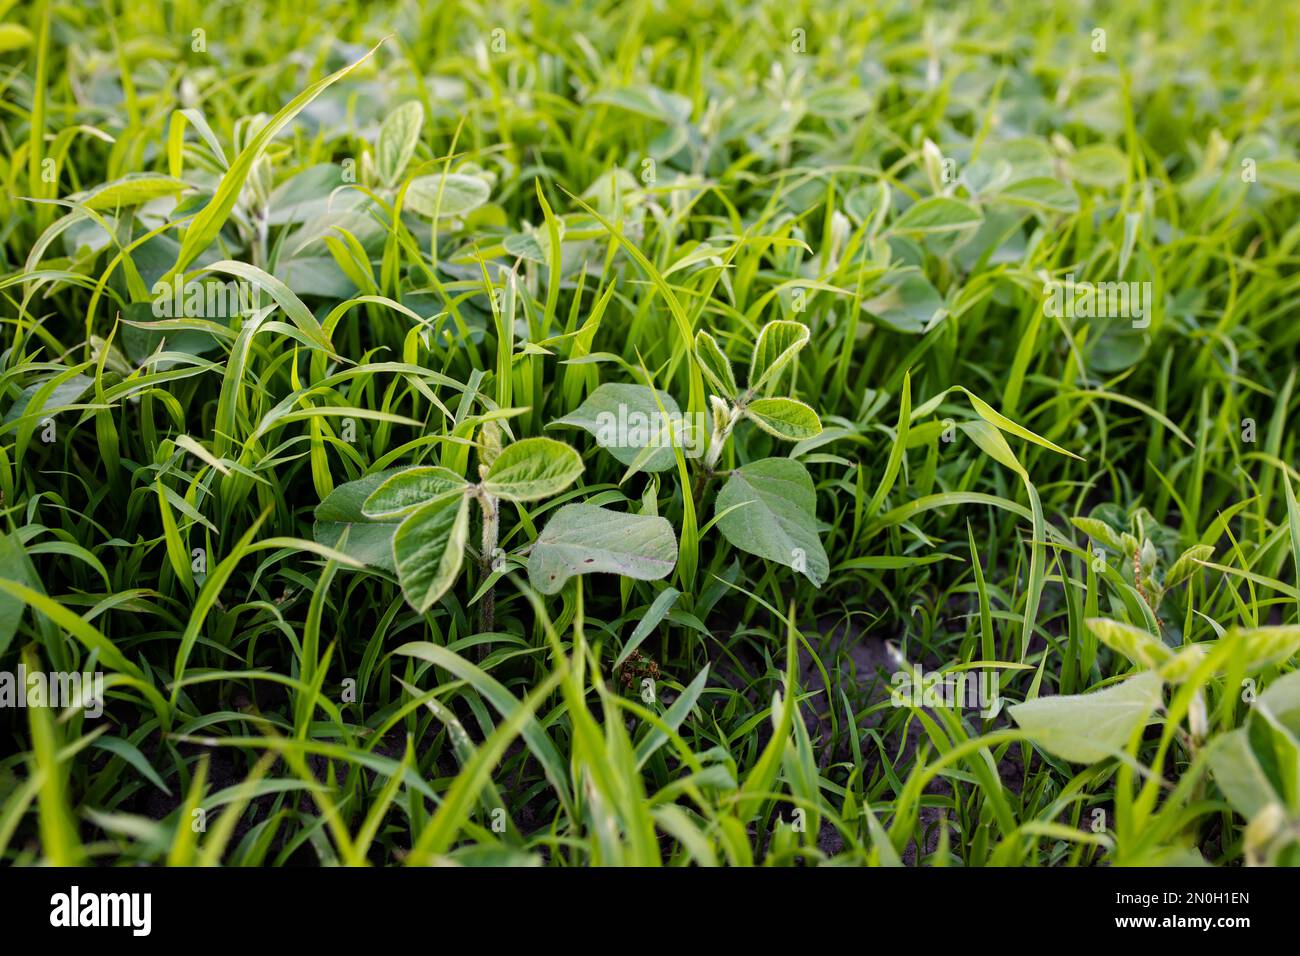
x: 433, y: 503
x: 767, y: 507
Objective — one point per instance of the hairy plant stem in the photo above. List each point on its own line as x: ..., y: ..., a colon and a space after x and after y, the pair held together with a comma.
x: 489, y: 506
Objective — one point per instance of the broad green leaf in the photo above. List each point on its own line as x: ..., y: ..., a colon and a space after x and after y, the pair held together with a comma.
x: 531, y: 469
x: 131, y: 190
x: 67, y: 392
x: 1043, y: 194
x: 784, y: 418
x: 313, y: 193
x: 14, y: 566
x: 906, y: 303
x: 1238, y: 773
x: 1086, y: 728
x: 715, y: 365
x: 938, y: 214
x: 582, y: 539
x: 407, y: 490
x: 1101, y: 165
x: 1183, y: 664
x: 1134, y: 643
x: 1099, y: 530
x: 398, y: 138
x: 768, y: 508
x: 429, y: 547
x: 625, y: 420
x: 367, y: 540
x: 459, y: 194
x: 778, y: 343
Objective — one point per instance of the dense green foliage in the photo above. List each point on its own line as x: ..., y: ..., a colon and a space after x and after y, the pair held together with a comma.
x: 528, y: 434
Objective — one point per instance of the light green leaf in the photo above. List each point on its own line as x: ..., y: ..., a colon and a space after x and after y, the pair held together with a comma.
x: 768, y: 508
x: 906, y: 303
x: 784, y: 418
x: 625, y: 420
x: 14, y: 566
x: 131, y: 190
x: 1262, y: 646
x: 1098, y: 530
x: 368, y: 541
x: 407, y: 490
x: 1086, y: 728
x: 14, y: 36
x: 1042, y: 194
x: 531, y: 469
x: 428, y: 549
x: 778, y: 343
x: 715, y: 365
x: 1238, y: 773
x: 398, y: 138
x: 459, y: 194
x: 208, y: 223
x: 1134, y: 643
x: 938, y: 214
x: 582, y: 539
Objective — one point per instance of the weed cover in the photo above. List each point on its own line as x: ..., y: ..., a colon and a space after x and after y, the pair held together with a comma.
x: 649, y: 433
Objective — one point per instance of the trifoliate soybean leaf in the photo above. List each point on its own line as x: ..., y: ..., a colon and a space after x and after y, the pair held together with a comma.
x: 1137, y: 645
x: 907, y: 303
x: 409, y: 489
x: 582, y: 539
x: 1086, y: 728
x: 768, y: 508
x: 397, y: 141
x: 784, y: 418
x: 1042, y: 194
x: 625, y: 420
x: 715, y: 365
x: 429, y: 547
x: 777, y: 344
x: 460, y: 194
x: 937, y: 214
x: 367, y: 540
x: 533, y: 468
x: 131, y: 190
